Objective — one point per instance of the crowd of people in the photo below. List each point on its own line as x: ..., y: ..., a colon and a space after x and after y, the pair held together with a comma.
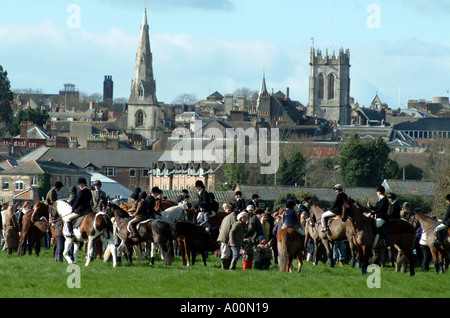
x: 248, y: 231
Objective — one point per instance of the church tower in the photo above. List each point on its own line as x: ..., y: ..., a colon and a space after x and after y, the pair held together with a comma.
x: 329, y: 87
x: 143, y: 105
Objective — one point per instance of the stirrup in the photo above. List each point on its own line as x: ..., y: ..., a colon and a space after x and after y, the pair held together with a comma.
x: 325, y: 229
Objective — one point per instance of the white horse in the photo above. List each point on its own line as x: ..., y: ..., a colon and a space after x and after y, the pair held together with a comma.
x: 89, y: 229
x: 173, y: 213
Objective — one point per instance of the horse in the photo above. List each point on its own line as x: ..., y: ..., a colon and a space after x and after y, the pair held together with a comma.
x: 193, y: 239
x: 156, y: 231
x: 399, y: 232
x: 32, y: 225
x: 91, y: 226
x: 338, y: 230
x: 439, y: 254
x: 174, y: 212
x: 290, y: 245
x: 163, y: 204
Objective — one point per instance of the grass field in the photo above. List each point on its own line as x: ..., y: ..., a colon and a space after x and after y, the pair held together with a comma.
x: 33, y: 276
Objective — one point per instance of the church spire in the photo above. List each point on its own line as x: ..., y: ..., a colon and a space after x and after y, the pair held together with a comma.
x: 143, y: 87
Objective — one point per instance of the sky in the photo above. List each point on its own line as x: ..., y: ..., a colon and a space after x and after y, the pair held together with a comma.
x: 399, y: 49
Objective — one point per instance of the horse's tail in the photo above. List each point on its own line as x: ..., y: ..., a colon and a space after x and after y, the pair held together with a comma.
x: 282, y: 251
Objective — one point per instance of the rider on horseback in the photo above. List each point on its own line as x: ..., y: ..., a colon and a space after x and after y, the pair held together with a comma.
x: 441, y: 228
x: 290, y: 218
x: 336, y: 209
x: 140, y: 215
x: 81, y: 206
x: 381, y: 213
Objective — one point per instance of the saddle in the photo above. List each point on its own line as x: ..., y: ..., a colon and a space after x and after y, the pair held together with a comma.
x: 75, y: 225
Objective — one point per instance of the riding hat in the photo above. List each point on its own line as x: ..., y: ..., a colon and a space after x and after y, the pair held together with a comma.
x: 58, y: 184
x: 392, y: 196
x: 338, y: 187
x: 98, y: 182
x: 82, y: 180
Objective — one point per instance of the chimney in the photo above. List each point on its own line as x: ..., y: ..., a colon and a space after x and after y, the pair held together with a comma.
x: 91, y: 105
x: 23, y: 129
x: 287, y: 93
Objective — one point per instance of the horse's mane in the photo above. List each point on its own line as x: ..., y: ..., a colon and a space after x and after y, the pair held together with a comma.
x: 121, y: 212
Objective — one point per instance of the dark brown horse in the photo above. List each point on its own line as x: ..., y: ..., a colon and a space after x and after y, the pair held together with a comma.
x: 440, y: 254
x: 92, y: 226
x: 155, y: 231
x: 338, y: 230
x: 32, y: 225
x: 193, y: 239
x: 399, y: 232
x: 290, y: 245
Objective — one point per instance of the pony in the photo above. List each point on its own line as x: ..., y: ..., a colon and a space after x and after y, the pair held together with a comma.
x: 290, y: 245
x: 439, y: 254
x: 338, y: 230
x: 193, y: 239
x: 32, y: 225
x: 91, y: 226
x: 399, y: 232
x: 156, y: 231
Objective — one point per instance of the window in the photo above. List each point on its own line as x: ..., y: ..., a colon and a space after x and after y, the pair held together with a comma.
x: 139, y: 118
x: 19, y: 185
x: 89, y: 169
x: 132, y: 173
x: 331, y: 86
x: 34, y: 181
x: 145, y: 173
x: 5, y: 184
x: 321, y: 86
x: 111, y: 172
x: 141, y: 92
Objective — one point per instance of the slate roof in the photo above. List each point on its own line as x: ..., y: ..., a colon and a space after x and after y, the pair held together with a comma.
x: 428, y: 124
x: 98, y: 157
x: 38, y: 167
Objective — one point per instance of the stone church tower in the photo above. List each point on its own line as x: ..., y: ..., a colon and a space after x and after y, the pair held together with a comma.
x: 329, y: 87
x: 143, y: 105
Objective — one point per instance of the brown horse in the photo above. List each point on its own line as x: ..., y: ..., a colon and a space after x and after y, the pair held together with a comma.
x: 92, y: 226
x: 338, y: 230
x: 399, y: 232
x: 32, y: 226
x: 162, y: 205
x: 290, y: 245
x: 440, y: 254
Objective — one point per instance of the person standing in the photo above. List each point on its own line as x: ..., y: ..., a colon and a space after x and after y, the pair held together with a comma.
x: 224, y: 238
x: 237, y: 238
x: 12, y: 230
x: 97, y: 194
x: 442, y: 228
x: 73, y: 195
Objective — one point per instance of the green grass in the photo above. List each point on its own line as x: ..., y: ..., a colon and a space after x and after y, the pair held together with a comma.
x: 33, y: 276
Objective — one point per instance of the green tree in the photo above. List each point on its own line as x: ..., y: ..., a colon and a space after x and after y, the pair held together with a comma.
x: 44, y: 183
x: 363, y: 162
x: 34, y: 115
x: 291, y: 170
x: 6, y: 98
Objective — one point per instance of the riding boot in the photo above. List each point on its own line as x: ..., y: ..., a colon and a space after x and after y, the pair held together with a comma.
x: 324, y: 224
x: 69, y: 228
x: 438, y: 241
x: 233, y: 264
x: 383, y: 235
